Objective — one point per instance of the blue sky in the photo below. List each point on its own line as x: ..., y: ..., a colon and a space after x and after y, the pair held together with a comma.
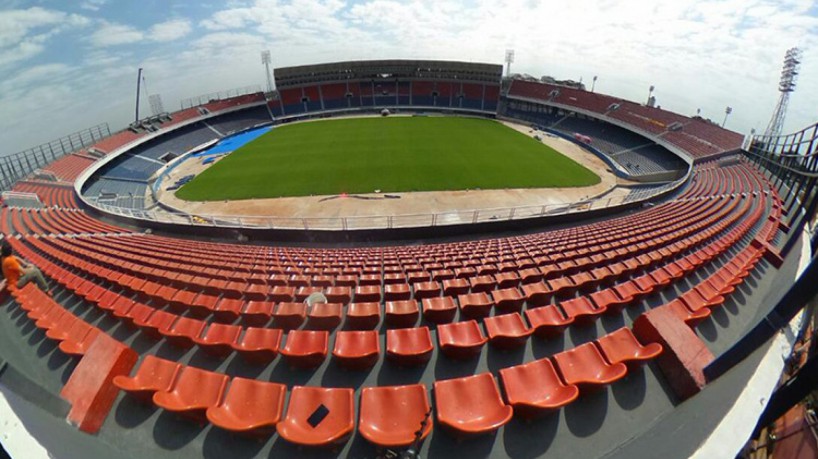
x: 67, y: 65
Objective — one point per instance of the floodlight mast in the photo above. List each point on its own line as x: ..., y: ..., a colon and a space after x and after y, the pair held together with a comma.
x: 138, y: 83
x: 509, y: 61
x: 786, y: 85
x: 265, y: 59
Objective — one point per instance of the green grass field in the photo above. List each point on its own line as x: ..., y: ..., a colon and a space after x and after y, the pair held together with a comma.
x: 393, y: 154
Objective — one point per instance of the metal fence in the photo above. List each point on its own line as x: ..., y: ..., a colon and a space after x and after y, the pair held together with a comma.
x: 457, y: 217
x: 213, y: 96
x: 19, y: 165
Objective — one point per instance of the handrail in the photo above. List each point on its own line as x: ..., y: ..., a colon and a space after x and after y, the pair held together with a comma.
x: 448, y: 218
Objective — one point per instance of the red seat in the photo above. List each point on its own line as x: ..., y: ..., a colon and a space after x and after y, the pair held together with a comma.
x: 397, y: 292
x: 363, y: 316
x: 306, y: 348
x: 507, y: 331
x: 368, y: 294
x: 585, y: 367
x: 508, y: 300
x: 535, y: 388
x: 282, y: 293
x: 155, y: 323
x: 581, y: 310
x: 339, y: 294
x: 289, y: 316
x: 183, y: 332
x: 537, y: 294
x: 622, y: 346
x: 153, y: 375
x: 439, y: 310
x: 460, y: 340
x: 482, y: 284
x: 683, y: 312
x: 475, y: 305
x: 357, y: 350
x: 507, y: 279
x: 303, y: 292
x: 324, y: 316
x: 547, y: 321
x: 608, y: 300
x: 219, y: 339
x: 193, y: 392
x: 452, y: 287
x: 228, y: 309
x: 401, y: 314
x: 391, y: 417
x: 471, y: 405
x: 409, y: 346
x: 249, y: 407
x: 427, y: 290
x: 259, y: 345
x: 332, y: 429
x: 258, y: 313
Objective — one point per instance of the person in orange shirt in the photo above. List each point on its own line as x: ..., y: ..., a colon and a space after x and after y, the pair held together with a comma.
x: 18, y: 274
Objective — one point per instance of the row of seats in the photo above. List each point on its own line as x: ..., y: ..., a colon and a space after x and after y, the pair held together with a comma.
x: 647, y: 119
x: 69, y: 167
x: 50, y: 194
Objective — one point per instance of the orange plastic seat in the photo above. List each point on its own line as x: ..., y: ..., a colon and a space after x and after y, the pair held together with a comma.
x: 622, y: 346
x: 401, y: 314
x: 452, y: 287
x: 471, y: 405
x: 249, y: 407
x: 324, y: 316
x: 259, y: 345
x: 80, y: 341
x: 537, y: 294
x: 357, y: 350
x: 581, y: 310
x: 508, y: 300
x: 368, y: 294
x: 439, y: 310
x: 304, y: 425
x: 409, y: 346
x: 155, y: 323
x: 339, y: 294
x: 482, y: 284
x: 507, y: 331
x: 219, y: 339
x: 535, y: 388
x: 429, y: 289
x: 257, y: 313
x: 585, y: 367
x: 392, y: 416
x: 683, y: 312
x: 475, y: 305
x: 609, y: 300
x: 228, y: 309
x: 363, y: 316
x: 306, y: 348
x: 183, y: 332
x: 282, y: 294
x: 193, y: 392
x: 547, y: 321
x: 397, y: 292
x: 460, y: 340
x: 154, y: 375
x: 289, y: 316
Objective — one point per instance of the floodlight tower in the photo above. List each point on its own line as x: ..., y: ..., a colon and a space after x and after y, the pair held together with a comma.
x: 265, y: 59
x: 509, y: 61
x: 593, y: 85
x: 650, y: 93
x: 789, y: 75
x: 727, y: 112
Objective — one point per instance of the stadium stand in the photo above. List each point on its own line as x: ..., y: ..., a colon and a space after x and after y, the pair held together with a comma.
x: 469, y: 335
x: 648, y: 120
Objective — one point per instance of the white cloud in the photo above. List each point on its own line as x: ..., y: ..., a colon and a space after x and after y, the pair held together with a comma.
x: 114, y: 34
x: 93, y: 5
x: 170, y: 30
x: 23, y: 33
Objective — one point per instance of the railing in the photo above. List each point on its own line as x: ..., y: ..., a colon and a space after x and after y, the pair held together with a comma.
x: 19, y: 165
x: 213, y: 96
x: 458, y: 217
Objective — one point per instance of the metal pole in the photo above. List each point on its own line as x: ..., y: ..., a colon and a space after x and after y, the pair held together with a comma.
x: 138, y: 86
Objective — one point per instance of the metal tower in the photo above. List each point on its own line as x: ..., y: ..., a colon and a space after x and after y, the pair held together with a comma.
x: 789, y: 75
x: 265, y: 59
x: 509, y: 61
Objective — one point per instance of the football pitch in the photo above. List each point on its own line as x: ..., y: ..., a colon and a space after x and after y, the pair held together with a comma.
x: 390, y: 154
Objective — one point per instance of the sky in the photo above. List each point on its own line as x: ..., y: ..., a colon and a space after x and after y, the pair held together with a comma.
x: 70, y: 64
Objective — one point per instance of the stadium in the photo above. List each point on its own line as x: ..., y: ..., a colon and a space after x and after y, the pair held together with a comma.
x: 403, y: 258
